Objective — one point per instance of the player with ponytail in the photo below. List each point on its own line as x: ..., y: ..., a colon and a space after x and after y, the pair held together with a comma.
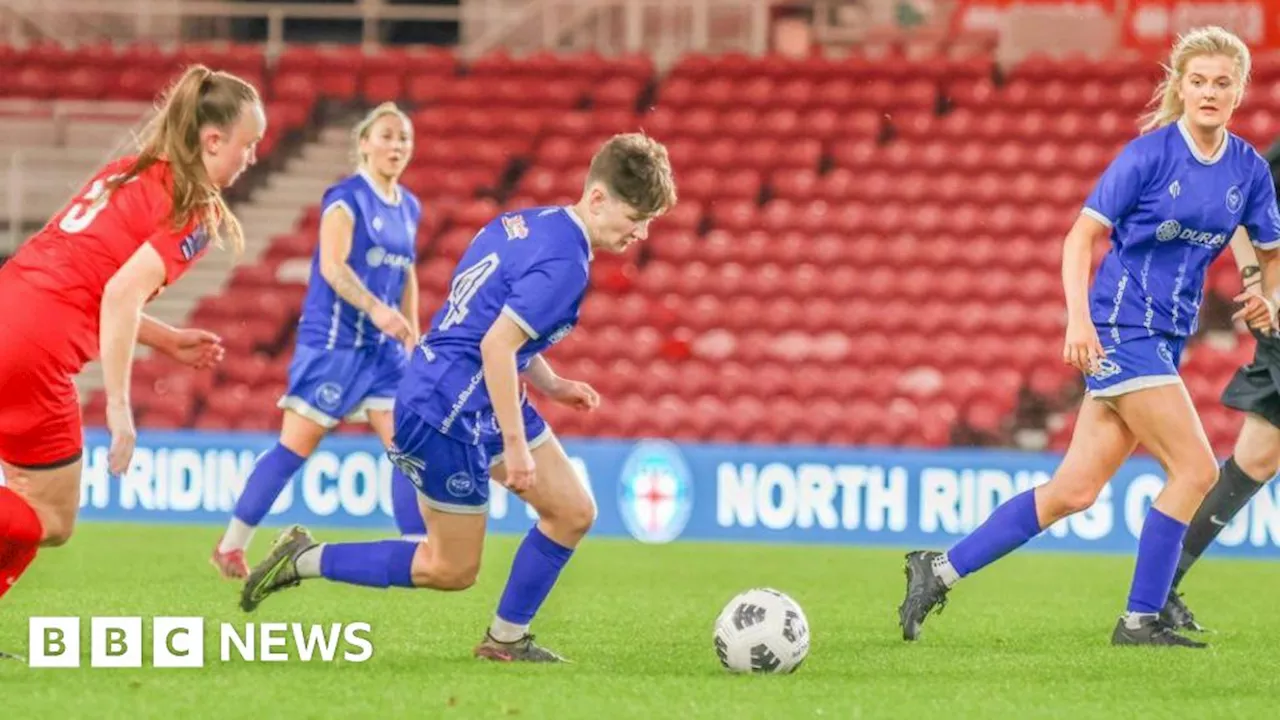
x: 75, y: 292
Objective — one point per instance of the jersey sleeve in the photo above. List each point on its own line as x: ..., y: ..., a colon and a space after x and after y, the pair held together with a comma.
x: 546, y: 292
x: 340, y: 196
x: 1261, y: 215
x: 178, y: 249
x: 1118, y: 190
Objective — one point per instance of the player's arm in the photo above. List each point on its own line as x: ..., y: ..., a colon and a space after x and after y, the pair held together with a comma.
x: 1247, y: 261
x: 1077, y: 263
x: 541, y: 375
x: 336, y: 230
x: 156, y: 334
x: 1260, y: 224
x: 501, y: 378
x: 409, y: 301
x: 121, y: 318
x: 498, y: 353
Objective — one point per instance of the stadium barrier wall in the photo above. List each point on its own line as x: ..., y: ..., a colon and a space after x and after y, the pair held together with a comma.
x: 657, y: 492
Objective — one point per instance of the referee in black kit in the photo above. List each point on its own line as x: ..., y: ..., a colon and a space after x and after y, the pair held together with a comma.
x: 1255, y: 391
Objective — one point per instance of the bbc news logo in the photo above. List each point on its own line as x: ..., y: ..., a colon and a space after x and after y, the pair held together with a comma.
x: 179, y: 642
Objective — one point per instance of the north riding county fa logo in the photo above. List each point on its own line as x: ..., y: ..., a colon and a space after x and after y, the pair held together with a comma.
x: 515, y: 227
x: 655, y: 492
x: 195, y: 242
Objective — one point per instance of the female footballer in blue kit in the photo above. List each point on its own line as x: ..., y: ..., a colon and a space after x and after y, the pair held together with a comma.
x: 359, y: 324
x: 515, y: 293
x: 1169, y: 203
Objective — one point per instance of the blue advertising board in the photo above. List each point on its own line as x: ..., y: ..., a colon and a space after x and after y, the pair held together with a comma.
x: 656, y: 492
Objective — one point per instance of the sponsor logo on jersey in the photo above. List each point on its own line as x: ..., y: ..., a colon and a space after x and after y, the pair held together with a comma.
x: 655, y: 492
x: 1174, y: 230
x: 378, y: 256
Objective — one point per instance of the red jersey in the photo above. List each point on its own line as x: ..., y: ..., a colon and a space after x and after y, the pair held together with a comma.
x: 63, y: 269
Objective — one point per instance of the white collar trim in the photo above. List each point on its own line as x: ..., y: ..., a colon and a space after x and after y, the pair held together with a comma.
x: 378, y: 191
x: 1218, y: 153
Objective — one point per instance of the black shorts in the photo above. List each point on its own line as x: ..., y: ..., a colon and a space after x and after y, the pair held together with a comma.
x: 1255, y: 388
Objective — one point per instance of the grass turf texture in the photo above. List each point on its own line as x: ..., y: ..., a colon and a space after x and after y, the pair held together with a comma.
x: 1027, y: 638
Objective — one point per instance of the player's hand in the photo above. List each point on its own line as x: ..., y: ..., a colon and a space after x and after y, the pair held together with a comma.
x: 1082, y: 349
x: 521, y: 472
x: 123, y: 437
x: 1258, y: 312
x: 575, y: 394
x: 393, y: 323
x: 199, y: 349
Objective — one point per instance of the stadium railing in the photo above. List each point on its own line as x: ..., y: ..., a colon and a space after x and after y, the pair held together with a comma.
x: 661, y: 27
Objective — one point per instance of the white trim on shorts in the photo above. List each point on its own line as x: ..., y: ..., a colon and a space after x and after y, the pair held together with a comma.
x: 360, y: 413
x: 1141, y: 382
x: 541, y: 439
x: 452, y: 508
x: 306, y: 410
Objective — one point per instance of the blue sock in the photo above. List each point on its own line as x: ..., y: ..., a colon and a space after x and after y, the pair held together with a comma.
x: 265, y: 483
x: 404, y: 504
x: 533, y: 573
x: 1009, y: 527
x: 1158, y: 549
x: 372, y: 564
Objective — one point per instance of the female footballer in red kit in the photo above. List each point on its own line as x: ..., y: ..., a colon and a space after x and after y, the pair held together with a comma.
x: 75, y: 291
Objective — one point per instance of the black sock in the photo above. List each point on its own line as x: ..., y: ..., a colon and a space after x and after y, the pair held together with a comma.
x: 1229, y: 495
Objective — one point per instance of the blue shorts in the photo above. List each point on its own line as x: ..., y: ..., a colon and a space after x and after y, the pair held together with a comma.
x: 1136, y: 364
x: 452, y: 476
x: 536, y: 431
x: 327, y: 386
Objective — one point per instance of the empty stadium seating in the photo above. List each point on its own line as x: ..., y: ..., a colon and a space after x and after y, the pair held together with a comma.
x: 865, y: 252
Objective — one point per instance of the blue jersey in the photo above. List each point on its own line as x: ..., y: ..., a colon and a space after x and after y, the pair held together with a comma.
x: 532, y: 266
x: 1172, y: 211
x: 382, y: 256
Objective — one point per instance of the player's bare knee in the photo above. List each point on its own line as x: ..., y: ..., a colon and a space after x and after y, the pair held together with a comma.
x: 1062, y: 497
x: 1260, y: 461
x: 431, y: 569
x: 573, y: 518
x: 1196, y: 473
x: 449, y: 577
x: 57, y: 531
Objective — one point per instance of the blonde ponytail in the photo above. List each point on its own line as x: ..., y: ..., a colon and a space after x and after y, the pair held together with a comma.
x: 1211, y: 40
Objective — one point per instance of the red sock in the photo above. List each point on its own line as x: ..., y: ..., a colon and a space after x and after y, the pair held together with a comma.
x: 20, y: 535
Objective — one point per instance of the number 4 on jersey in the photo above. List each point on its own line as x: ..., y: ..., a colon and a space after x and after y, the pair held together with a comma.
x: 465, y: 287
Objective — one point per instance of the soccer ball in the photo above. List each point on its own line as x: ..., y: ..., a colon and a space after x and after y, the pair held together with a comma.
x: 762, y: 631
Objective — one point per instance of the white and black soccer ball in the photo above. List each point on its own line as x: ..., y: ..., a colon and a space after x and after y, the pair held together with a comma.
x: 762, y: 631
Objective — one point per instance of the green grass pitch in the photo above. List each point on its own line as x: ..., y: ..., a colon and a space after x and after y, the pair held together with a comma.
x: 1025, y: 639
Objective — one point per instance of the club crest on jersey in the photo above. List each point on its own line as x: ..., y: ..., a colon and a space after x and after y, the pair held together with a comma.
x: 515, y: 227
x: 1235, y: 199
x: 195, y: 242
